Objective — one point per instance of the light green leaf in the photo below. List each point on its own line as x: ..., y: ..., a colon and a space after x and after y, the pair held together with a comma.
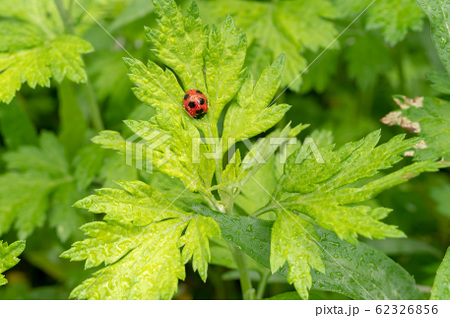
x: 34, y: 48
x: 430, y: 118
x: 139, y: 243
x: 145, y: 204
x: 441, y: 286
x: 293, y: 242
x: 180, y: 42
x: 60, y: 58
x: 326, y: 192
x: 8, y: 257
x: 195, y: 243
x: 155, y: 87
x: 438, y: 12
x: 249, y: 115
x: 224, y: 60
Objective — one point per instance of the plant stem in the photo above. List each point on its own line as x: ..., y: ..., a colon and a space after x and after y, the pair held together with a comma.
x: 263, y: 210
x: 262, y: 284
x: 97, y: 121
x: 248, y: 293
x: 66, y: 16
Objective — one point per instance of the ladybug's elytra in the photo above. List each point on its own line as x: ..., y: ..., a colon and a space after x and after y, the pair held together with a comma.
x: 195, y: 103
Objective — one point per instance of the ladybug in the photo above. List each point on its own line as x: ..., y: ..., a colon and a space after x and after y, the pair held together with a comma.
x: 195, y: 103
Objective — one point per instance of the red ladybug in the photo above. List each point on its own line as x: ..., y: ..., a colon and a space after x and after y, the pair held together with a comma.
x: 195, y: 103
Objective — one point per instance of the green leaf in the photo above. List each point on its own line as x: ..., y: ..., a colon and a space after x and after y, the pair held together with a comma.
x: 430, y: 118
x: 34, y: 48
x: 223, y: 65
x: 393, y: 17
x: 349, y: 269
x: 180, y: 42
x: 297, y: 248
x: 155, y: 87
x: 377, y: 60
x: 8, y: 257
x: 33, y: 174
x: 438, y: 13
x: 326, y: 193
x: 40, y: 179
x: 277, y: 27
x: 60, y: 58
x: 242, y: 180
x: 320, y: 187
x: 249, y: 115
x: 16, y: 128
x: 440, y: 81
x: 441, y: 286
x: 195, y: 243
x: 139, y: 243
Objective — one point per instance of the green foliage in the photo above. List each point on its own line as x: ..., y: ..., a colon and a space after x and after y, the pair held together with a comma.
x: 249, y: 115
x: 323, y: 190
x: 377, y: 60
x: 245, y: 209
x: 330, y: 193
x: 293, y: 242
x: 34, y: 48
x: 393, y: 17
x: 357, y: 271
x: 140, y: 248
x: 8, y: 257
x: 430, y: 118
x: 441, y: 286
x: 438, y: 13
x: 440, y: 81
x: 41, y: 178
x: 274, y: 27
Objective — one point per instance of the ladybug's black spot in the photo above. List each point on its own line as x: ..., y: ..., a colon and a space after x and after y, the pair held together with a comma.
x: 191, y: 104
x: 200, y: 116
x: 199, y: 111
x: 199, y: 92
x: 201, y: 101
x: 186, y: 96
